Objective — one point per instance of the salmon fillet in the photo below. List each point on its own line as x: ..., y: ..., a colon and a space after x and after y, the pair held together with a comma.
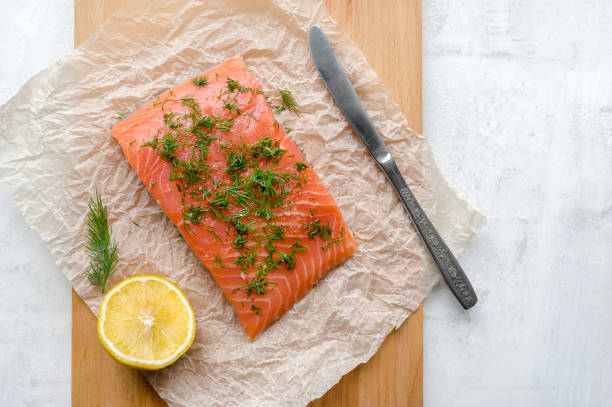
x: 241, y: 193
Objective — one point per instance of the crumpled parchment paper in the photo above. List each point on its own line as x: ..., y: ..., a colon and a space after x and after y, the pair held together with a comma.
x: 55, y: 150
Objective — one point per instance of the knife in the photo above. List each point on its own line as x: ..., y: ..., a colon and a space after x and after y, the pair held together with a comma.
x: 344, y: 94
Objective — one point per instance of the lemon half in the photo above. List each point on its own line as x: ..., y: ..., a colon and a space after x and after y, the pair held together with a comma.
x: 146, y: 322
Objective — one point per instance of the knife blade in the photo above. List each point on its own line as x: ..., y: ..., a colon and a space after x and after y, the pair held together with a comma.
x: 346, y: 98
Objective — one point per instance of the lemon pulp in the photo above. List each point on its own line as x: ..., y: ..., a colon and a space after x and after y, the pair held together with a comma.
x: 146, y: 322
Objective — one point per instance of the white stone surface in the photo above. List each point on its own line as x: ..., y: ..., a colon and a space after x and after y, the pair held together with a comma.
x: 518, y: 110
x: 35, y: 299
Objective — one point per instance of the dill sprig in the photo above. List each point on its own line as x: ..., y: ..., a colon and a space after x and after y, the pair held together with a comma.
x: 258, y: 284
x: 219, y: 261
x: 201, y: 81
x: 255, y: 309
x: 287, y: 101
x: 316, y: 227
x: 337, y: 240
x: 268, y: 149
x: 101, y: 247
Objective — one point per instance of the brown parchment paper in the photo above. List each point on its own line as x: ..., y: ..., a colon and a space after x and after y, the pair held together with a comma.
x: 55, y: 150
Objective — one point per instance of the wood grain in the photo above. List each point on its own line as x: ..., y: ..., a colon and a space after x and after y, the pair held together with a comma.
x: 97, y: 379
x: 389, y: 34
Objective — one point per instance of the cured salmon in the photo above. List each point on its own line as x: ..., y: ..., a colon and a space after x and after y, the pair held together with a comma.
x: 242, y: 194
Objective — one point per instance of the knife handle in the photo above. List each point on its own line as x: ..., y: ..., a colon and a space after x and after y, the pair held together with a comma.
x: 448, y: 265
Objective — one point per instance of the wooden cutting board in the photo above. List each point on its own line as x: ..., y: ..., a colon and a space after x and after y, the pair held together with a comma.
x: 389, y: 34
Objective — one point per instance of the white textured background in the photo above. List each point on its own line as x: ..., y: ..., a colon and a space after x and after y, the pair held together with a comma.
x: 518, y: 110
x: 35, y: 298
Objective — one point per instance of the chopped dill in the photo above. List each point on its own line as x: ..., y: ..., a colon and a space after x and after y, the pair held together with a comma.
x: 244, y: 190
x: 203, y: 142
x: 258, y: 284
x: 298, y: 247
x: 219, y: 262
x: 316, y: 227
x: 288, y: 259
x: 268, y: 149
x: 201, y: 81
x: 232, y: 84
x: 241, y: 227
x: 239, y: 242
x: 169, y: 119
x: 245, y: 261
x: 274, y: 232
x: 193, y: 213
x: 208, y: 122
x: 232, y: 107
x: 237, y: 161
x: 191, y: 171
x: 166, y: 147
x: 255, y: 309
x: 192, y: 104
x: 220, y: 200
x: 225, y: 125
x: 334, y: 241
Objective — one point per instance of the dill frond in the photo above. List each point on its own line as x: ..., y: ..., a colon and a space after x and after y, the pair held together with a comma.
x: 101, y: 247
x: 288, y: 101
x: 201, y: 81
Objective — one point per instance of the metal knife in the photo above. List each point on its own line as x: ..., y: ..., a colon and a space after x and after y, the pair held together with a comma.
x: 345, y: 96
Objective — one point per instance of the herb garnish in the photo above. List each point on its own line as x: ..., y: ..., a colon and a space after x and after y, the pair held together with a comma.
x: 246, y: 193
x: 316, y: 227
x: 232, y: 84
x: 258, y: 284
x: 239, y: 242
x: 219, y: 262
x: 289, y: 258
x: 255, y: 309
x: 268, y: 149
x: 201, y: 81
x: 334, y: 241
x: 193, y: 213
x: 225, y: 125
x: 287, y: 102
x: 245, y: 261
x: 101, y: 247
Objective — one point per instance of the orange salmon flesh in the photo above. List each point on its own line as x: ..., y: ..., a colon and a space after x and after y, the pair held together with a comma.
x: 242, y: 194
